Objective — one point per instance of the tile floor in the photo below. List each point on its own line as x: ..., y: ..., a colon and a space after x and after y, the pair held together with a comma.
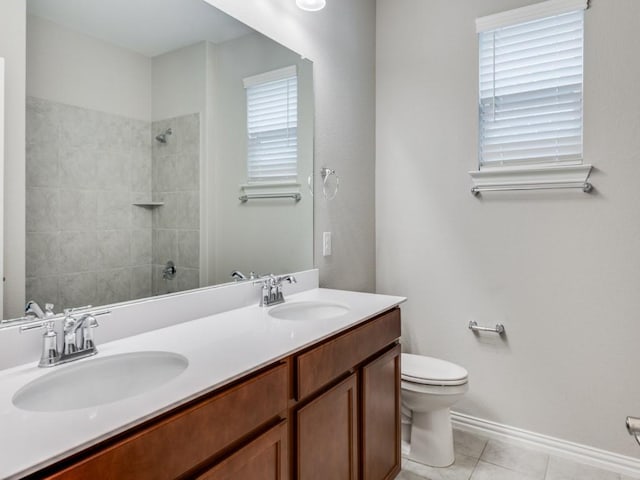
x: 478, y: 458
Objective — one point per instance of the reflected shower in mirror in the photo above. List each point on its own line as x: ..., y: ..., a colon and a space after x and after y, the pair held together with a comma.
x: 141, y: 145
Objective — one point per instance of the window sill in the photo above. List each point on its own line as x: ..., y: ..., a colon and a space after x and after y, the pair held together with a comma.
x: 505, y: 178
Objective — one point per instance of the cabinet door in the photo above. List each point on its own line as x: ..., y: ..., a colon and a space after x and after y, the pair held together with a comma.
x: 327, y: 443
x: 265, y: 458
x: 381, y: 417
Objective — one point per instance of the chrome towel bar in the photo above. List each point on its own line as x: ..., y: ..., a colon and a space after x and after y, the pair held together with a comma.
x: 586, y: 187
x: 255, y: 196
x: 499, y: 328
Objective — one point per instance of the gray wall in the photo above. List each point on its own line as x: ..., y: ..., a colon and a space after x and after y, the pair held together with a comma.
x: 340, y: 40
x: 237, y: 237
x: 560, y: 269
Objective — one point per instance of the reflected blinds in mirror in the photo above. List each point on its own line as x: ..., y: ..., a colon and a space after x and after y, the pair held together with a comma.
x: 272, y: 123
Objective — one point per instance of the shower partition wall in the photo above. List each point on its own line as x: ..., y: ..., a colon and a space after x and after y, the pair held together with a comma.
x: 86, y: 241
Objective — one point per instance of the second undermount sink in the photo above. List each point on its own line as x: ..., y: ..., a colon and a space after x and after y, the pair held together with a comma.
x: 308, y: 311
x: 99, y: 381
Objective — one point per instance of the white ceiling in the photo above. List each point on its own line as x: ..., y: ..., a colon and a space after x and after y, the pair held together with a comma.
x: 149, y: 27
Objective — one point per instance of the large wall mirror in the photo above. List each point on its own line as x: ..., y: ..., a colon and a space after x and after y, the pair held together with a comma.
x: 168, y: 145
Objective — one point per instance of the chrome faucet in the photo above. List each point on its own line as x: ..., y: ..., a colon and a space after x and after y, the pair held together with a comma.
x: 238, y: 276
x: 32, y: 309
x: 272, y: 289
x: 74, y: 346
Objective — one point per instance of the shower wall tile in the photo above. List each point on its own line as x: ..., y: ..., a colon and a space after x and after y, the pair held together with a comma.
x: 189, y: 248
x: 41, y: 122
x: 78, y: 166
x: 188, y: 278
x: 114, y: 249
x: 188, y: 210
x: 165, y: 173
x: 187, y: 171
x: 113, y: 211
x: 165, y: 246
x: 141, y: 248
x: 113, y: 286
x: 141, y: 176
x: 78, y: 209
x: 78, y: 251
x: 141, y: 282
x: 42, y: 253
x: 43, y: 289
x: 114, y: 171
x: 41, y: 165
x: 166, y: 216
x: 86, y: 242
x: 76, y: 289
x: 42, y: 205
x: 176, y: 182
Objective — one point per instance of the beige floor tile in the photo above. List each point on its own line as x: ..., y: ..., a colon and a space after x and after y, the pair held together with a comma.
x: 489, y: 471
x: 561, y: 469
x: 516, y: 458
x: 469, y: 444
x: 460, y: 470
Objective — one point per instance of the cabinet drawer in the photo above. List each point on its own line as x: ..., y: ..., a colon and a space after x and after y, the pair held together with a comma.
x: 328, y: 361
x: 189, y: 437
x: 265, y: 458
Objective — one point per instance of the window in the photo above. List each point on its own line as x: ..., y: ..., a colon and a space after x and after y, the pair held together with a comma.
x: 272, y: 123
x: 530, y: 85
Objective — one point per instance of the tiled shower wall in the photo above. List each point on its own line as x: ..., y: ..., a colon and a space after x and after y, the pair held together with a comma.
x: 86, y: 242
x: 176, y: 224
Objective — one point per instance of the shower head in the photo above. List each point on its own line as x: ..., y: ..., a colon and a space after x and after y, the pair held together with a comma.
x: 162, y: 138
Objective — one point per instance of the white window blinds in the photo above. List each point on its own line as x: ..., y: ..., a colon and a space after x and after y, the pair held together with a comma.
x: 531, y: 90
x: 272, y: 124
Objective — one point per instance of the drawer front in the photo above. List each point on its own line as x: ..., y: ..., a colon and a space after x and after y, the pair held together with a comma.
x: 190, y: 437
x: 265, y: 458
x: 319, y: 366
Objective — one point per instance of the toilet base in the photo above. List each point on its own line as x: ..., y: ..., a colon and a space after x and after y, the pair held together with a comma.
x: 432, y: 438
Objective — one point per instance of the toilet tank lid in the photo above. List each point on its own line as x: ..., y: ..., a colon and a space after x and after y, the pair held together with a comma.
x: 422, y: 369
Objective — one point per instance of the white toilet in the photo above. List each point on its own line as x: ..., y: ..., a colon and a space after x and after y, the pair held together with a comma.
x: 429, y: 387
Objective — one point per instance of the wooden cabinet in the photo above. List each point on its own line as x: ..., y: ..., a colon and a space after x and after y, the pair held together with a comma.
x: 380, y: 429
x: 331, y: 411
x: 265, y: 458
x: 190, y: 438
x: 327, y: 435
x: 349, y: 428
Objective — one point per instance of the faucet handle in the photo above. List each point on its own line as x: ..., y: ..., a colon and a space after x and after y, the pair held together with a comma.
x: 48, y: 310
x: 50, y: 354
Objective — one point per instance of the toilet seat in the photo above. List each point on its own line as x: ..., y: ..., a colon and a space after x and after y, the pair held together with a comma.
x: 422, y: 370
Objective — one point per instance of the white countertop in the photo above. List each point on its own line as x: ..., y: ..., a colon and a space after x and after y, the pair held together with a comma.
x: 220, y: 348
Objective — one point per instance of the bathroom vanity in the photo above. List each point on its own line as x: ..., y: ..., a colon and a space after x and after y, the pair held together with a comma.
x: 326, y: 407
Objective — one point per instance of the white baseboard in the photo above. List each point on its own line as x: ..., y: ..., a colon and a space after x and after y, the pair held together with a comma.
x: 555, y: 446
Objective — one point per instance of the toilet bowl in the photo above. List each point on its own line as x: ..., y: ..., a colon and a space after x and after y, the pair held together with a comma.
x: 430, y: 386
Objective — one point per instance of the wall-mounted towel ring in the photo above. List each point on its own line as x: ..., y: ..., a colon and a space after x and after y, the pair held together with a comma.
x: 325, y: 173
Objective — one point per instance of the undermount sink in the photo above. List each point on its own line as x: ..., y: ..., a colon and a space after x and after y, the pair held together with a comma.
x: 99, y: 381
x: 308, y: 311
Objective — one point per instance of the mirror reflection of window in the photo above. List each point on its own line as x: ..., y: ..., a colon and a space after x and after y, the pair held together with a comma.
x: 272, y: 126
